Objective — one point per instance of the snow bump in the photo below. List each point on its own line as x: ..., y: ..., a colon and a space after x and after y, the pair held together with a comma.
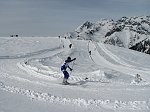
x: 87, y: 103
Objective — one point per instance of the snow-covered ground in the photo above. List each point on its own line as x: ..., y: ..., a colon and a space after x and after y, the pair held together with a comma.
x: 30, y: 77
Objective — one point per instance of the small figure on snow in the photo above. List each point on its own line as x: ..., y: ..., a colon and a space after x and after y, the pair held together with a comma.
x: 70, y: 45
x: 90, y: 53
x: 26, y: 62
x: 64, y: 66
x: 138, y: 78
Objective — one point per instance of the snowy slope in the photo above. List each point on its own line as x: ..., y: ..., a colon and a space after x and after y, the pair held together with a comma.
x: 30, y: 76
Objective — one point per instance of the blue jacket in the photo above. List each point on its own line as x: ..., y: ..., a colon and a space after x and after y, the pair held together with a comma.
x: 64, y: 66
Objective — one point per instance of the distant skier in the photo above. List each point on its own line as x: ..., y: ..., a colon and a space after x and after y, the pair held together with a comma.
x: 138, y: 78
x: 64, y: 66
x: 70, y: 45
x: 26, y: 62
x: 90, y: 53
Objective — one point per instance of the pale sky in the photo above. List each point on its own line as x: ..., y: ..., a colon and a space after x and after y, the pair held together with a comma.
x: 56, y: 17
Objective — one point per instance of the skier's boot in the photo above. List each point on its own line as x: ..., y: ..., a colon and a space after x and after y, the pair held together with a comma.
x: 65, y: 81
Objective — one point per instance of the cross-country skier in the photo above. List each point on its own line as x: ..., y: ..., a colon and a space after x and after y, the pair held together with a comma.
x: 64, y: 66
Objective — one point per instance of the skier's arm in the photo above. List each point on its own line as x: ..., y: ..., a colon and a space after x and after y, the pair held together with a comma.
x: 70, y: 68
x: 73, y: 59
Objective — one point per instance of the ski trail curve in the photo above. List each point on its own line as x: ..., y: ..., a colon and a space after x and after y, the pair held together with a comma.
x: 91, y: 48
x: 53, y: 75
x: 108, y: 64
x: 111, y: 55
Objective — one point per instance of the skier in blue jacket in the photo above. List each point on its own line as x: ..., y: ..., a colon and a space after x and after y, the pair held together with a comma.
x: 64, y: 66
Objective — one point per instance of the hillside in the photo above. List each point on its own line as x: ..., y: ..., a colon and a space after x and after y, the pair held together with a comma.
x: 31, y: 80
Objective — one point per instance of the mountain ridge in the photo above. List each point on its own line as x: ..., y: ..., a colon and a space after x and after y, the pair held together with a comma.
x: 126, y: 32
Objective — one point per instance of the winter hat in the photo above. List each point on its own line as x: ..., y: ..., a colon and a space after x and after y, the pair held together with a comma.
x: 68, y: 59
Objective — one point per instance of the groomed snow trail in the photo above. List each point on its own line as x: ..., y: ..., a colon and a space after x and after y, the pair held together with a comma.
x: 111, y: 61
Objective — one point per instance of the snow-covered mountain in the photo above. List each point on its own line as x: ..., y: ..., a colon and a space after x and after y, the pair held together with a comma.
x: 125, y: 32
x: 143, y: 46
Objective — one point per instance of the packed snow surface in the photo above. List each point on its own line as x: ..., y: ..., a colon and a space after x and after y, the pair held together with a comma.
x: 103, y: 81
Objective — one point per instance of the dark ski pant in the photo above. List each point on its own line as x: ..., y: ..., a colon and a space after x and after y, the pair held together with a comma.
x: 66, y: 74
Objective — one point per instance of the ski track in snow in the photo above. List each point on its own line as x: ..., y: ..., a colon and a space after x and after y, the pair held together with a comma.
x: 53, y: 75
x: 28, y: 54
x: 41, y: 73
x: 47, y: 73
x: 50, y: 75
x: 87, y: 103
x: 114, y: 57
